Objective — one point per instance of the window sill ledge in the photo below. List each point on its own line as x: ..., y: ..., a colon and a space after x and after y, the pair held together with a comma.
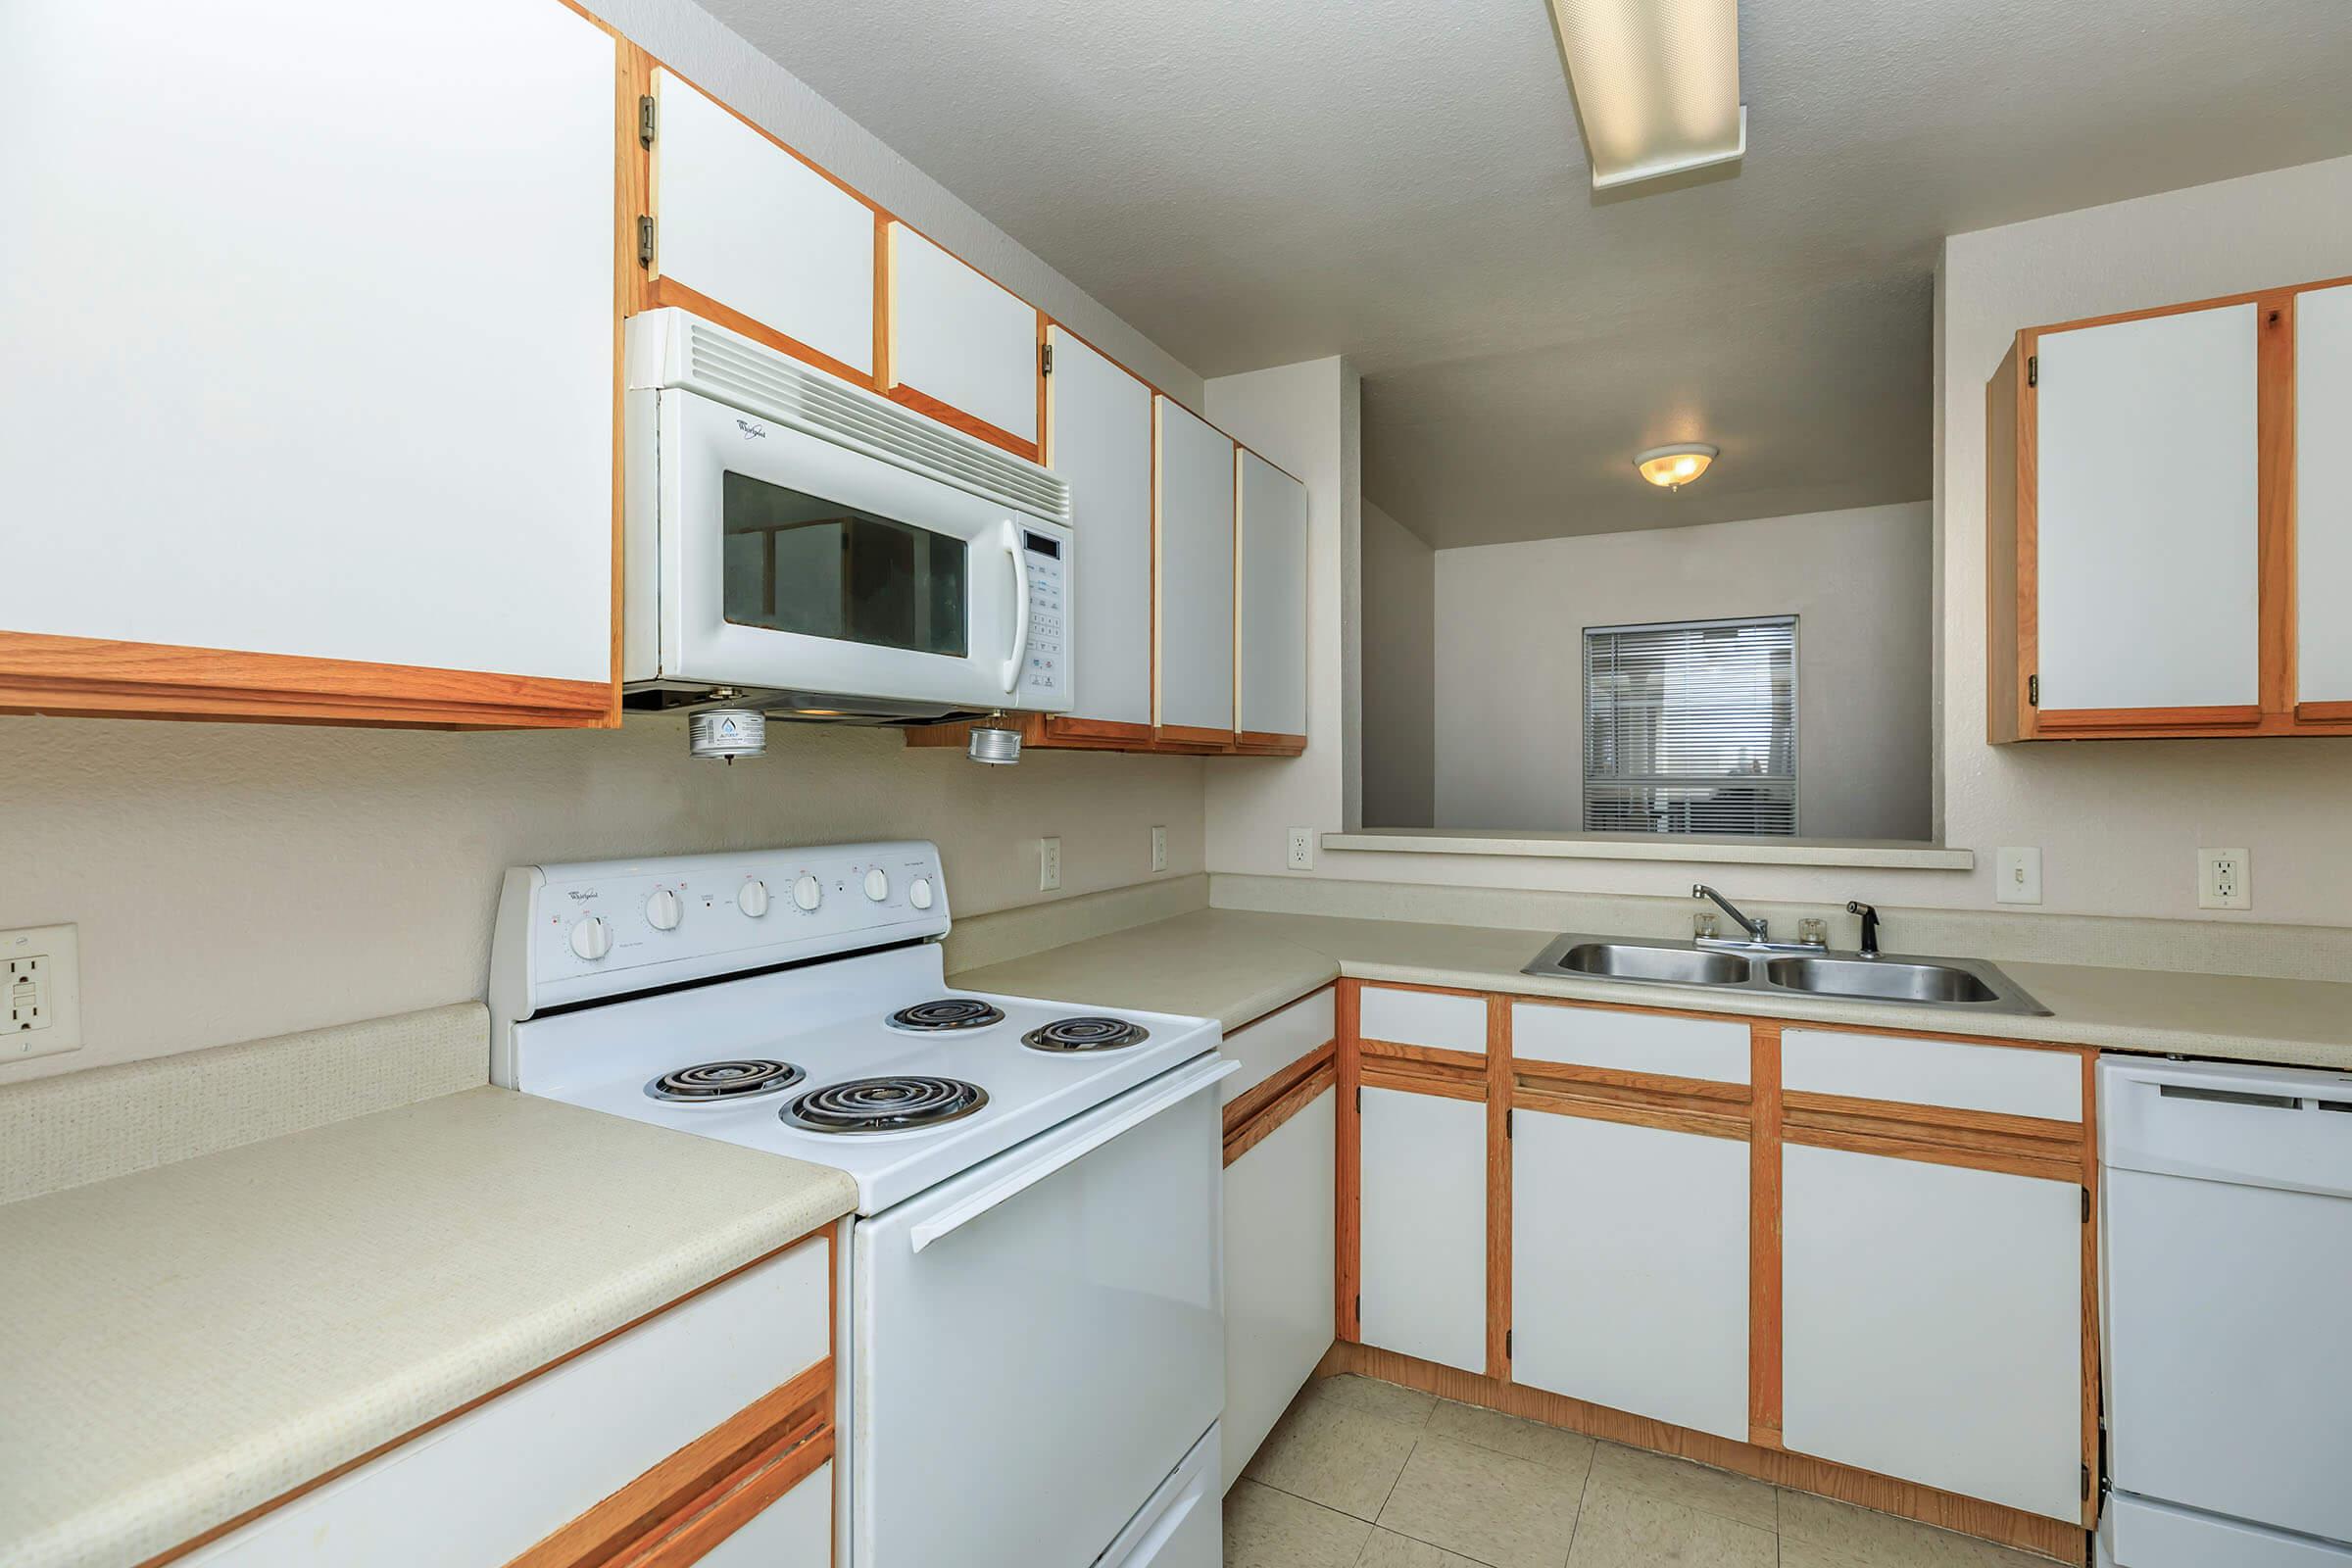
x: 1692, y: 849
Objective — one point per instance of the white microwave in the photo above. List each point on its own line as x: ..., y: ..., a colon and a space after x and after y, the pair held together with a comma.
x: 796, y: 543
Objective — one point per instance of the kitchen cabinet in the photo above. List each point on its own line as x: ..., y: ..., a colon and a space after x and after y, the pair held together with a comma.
x: 1422, y: 1238
x: 1279, y: 1242
x: 1270, y: 661
x: 2164, y: 533
x: 963, y: 349
x: 748, y: 234
x: 1932, y: 1325
x: 1098, y: 438
x: 1193, y: 578
x: 312, y: 417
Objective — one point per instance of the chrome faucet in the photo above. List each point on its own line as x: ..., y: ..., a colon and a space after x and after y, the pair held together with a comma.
x: 1758, y: 931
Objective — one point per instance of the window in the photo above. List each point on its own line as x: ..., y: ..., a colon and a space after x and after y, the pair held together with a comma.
x: 1691, y: 728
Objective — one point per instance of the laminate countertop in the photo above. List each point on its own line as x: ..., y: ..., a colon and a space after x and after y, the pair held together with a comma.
x: 1238, y: 964
x: 189, y: 1342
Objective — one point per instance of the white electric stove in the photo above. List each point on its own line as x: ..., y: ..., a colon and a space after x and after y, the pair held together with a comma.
x: 1032, y: 1316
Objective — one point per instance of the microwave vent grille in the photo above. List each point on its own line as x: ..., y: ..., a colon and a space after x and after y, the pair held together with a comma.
x: 762, y: 381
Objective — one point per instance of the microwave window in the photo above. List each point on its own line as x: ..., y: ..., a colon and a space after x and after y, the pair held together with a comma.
x: 798, y: 562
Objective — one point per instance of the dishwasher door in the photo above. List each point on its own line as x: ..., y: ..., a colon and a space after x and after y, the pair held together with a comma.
x: 2227, y: 1262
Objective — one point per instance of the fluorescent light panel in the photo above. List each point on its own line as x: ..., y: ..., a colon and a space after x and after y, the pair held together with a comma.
x: 1656, y: 84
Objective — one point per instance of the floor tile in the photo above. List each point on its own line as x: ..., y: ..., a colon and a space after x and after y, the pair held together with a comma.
x: 1486, y: 1505
x: 1621, y: 1529
x: 1409, y: 1405
x: 1818, y: 1532
x: 1569, y: 1453
x: 1269, y: 1528
x: 1333, y: 1451
x: 1388, y: 1549
x: 1693, y: 1486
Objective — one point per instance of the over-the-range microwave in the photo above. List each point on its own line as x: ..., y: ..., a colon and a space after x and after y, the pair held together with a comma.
x: 794, y: 542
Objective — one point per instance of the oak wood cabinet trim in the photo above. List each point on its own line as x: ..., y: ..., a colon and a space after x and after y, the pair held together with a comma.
x: 1633, y: 1113
x: 1269, y: 1118
x: 1446, y: 1079
x: 1500, y: 1150
x: 1274, y: 1086
x: 1347, y: 1148
x: 971, y: 425
x: 1268, y: 743
x: 661, y: 291
x: 1764, y: 1236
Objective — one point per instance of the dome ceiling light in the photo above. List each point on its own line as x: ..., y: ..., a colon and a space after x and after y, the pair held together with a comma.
x: 1675, y: 466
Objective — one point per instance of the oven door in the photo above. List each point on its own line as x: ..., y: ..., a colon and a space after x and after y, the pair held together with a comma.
x: 1037, y: 1344
x: 789, y: 562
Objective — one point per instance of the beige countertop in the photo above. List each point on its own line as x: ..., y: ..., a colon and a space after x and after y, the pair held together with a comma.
x: 1235, y: 964
x: 188, y: 1341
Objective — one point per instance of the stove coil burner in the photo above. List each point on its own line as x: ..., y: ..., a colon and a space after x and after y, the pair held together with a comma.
x: 709, y: 1082
x: 1086, y: 1034
x: 946, y: 1014
x: 884, y: 1104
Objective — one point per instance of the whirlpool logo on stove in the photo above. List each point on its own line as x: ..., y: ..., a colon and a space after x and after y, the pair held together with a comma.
x: 751, y: 430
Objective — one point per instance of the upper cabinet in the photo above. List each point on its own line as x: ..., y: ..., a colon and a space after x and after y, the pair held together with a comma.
x: 961, y: 349
x: 1098, y: 438
x: 1193, y: 590
x: 1270, y: 661
x: 311, y: 388
x: 2166, y: 540
x: 740, y: 224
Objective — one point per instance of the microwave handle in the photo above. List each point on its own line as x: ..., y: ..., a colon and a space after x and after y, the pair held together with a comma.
x: 1021, y: 605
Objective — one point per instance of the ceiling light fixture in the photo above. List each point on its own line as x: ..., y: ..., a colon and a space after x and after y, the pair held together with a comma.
x: 1656, y: 84
x: 1675, y: 466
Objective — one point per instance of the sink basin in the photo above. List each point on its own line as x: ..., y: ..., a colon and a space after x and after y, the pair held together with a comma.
x: 1628, y: 960
x: 1879, y: 980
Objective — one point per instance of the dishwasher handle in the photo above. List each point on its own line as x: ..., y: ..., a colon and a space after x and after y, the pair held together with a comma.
x: 1181, y: 1083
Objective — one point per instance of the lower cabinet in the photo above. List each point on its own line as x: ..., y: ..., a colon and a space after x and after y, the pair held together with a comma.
x: 1280, y: 1229
x: 1629, y: 1268
x: 795, y: 1531
x: 1423, y: 1237
x: 1932, y: 1325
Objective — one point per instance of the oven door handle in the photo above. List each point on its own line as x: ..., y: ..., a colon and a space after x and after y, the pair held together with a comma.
x: 1182, y: 1084
x: 1021, y: 605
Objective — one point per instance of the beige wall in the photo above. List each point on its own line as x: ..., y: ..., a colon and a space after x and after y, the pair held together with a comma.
x: 1510, y: 621
x: 1400, y: 675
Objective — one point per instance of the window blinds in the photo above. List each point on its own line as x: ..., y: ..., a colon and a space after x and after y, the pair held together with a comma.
x: 1691, y: 728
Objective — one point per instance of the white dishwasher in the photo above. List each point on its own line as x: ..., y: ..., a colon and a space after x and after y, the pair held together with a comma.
x: 2226, y: 1279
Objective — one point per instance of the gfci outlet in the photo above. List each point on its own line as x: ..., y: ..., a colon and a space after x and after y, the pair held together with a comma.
x: 1303, y: 848
x: 1159, y: 849
x: 2225, y: 880
x: 1049, y: 864
x: 40, y: 984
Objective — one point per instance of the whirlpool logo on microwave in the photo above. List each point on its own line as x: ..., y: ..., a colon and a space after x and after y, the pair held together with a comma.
x: 751, y: 430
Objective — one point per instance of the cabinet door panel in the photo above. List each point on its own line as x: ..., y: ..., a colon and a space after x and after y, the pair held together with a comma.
x: 1279, y: 1238
x: 1932, y: 1322
x: 1272, y: 530
x: 1629, y: 1268
x: 1423, y: 1183
x: 749, y: 224
x: 957, y: 337
x: 2324, y: 494
x: 1194, y: 579
x: 2146, y: 512
x: 1098, y: 438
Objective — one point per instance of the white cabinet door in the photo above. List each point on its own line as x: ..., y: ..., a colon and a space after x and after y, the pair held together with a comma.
x: 960, y: 339
x: 2324, y: 493
x: 1194, y: 582
x: 1098, y: 438
x: 2145, y: 515
x: 1629, y: 1268
x: 1272, y: 525
x: 1422, y: 1177
x: 1280, y: 1235
x: 795, y: 1531
x: 1932, y: 1325
x: 308, y: 352
x: 749, y: 224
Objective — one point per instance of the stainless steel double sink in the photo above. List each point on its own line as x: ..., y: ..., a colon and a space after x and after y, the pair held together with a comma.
x: 1957, y: 985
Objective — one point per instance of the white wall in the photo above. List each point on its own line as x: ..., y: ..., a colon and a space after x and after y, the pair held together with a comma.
x: 1510, y: 622
x: 1400, y: 675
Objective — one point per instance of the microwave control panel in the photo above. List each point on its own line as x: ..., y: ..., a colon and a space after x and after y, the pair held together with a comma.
x: 1044, y: 678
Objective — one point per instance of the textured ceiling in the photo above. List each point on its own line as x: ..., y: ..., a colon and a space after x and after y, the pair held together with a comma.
x: 1252, y: 182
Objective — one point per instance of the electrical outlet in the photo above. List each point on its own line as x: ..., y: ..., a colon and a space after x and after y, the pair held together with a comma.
x: 40, y: 983
x: 1303, y: 848
x: 1049, y: 864
x: 2225, y: 880
x: 1159, y: 849
x: 2017, y: 876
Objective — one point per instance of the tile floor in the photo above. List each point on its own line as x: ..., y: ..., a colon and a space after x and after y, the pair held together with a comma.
x: 1363, y: 1473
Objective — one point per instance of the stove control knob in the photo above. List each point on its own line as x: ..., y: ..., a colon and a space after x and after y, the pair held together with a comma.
x: 663, y: 911
x: 807, y: 893
x: 877, y: 884
x: 918, y: 893
x: 591, y: 938
x: 751, y: 897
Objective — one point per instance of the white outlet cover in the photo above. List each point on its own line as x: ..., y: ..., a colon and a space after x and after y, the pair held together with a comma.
x: 1301, y: 852
x: 2017, y: 875
x: 1159, y: 849
x: 2224, y: 879
x: 1049, y: 864
x: 58, y: 949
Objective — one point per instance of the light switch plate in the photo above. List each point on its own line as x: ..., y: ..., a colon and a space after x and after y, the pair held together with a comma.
x: 2224, y: 879
x: 1159, y: 849
x: 2017, y: 875
x: 1049, y: 864
x: 40, y: 991
x: 1301, y: 856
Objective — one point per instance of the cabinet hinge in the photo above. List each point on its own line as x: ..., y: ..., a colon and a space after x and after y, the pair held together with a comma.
x: 1510, y: 1124
x: 2086, y: 1206
x: 647, y: 117
x: 645, y: 240
x: 2086, y: 1482
x: 1360, y: 1313
x: 1359, y: 1098
x: 1045, y: 359
x: 1506, y: 1344
x: 2032, y: 691
x: 2033, y: 369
